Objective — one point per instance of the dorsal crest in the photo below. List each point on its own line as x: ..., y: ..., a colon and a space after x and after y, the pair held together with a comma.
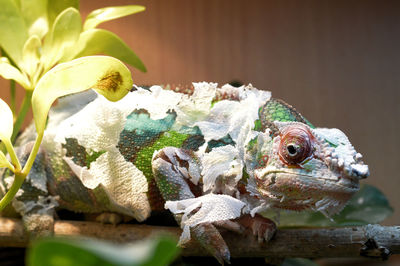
x: 278, y: 110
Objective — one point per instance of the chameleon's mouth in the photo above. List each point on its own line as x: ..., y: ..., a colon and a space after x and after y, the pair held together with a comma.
x: 291, y: 190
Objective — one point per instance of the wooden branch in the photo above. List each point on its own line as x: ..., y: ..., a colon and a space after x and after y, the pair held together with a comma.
x: 367, y: 241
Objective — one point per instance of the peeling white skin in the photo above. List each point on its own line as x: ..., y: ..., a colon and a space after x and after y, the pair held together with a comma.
x: 224, y: 160
x: 157, y: 102
x: 192, y: 109
x: 212, y: 208
x: 231, y: 117
x: 45, y: 205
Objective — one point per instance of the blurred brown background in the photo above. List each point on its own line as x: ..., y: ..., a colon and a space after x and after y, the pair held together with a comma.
x: 336, y: 61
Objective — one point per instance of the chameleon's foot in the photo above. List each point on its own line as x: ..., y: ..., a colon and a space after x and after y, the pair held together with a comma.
x: 109, y: 218
x: 262, y: 228
x: 39, y: 225
x: 230, y: 226
x: 210, y: 239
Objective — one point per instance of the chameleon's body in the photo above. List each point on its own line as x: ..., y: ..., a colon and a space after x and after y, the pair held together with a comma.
x: 217, y: 156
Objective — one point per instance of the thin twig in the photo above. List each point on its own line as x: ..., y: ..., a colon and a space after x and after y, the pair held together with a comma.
x: 363, y: 241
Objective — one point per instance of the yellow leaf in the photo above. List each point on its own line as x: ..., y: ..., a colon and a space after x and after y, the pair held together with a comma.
x: 107, y: 75
x: 8, y: 71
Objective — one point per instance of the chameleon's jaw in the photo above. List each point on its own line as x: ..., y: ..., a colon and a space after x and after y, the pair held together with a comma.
x: 287, y: 189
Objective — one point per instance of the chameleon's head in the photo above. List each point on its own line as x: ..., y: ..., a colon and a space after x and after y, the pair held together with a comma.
x: 302, y: 167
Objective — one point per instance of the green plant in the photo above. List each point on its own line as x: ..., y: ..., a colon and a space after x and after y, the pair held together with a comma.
x: 56, y: 251
x: 48, y: 51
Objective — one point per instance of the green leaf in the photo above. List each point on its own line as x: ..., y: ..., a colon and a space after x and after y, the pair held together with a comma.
x: 8, y: 71
x: 91, y: 252
x: 55, y: 7
x: 367, y: 206
x: 99, y: 41
x: 30, y: 55
x: 108, y: 13
x: 35, y: 16
x: 107, y: 75
x: 64, y: 33
x: 13, y: 31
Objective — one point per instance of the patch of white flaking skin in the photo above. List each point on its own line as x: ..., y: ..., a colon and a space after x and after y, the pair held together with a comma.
x: 125, y: 184
x: 157, y: 102
x: 211, y: 208
x: 231, y: 117
x: 44, y: 205
x: 104, y: 120
x: 101, y: 127
x: 329, y: 206
x: 222, y: 162
x: 37, y: 178
x: 196, y: 107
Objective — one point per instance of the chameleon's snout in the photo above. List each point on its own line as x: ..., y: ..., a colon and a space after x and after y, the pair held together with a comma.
x: 360, y: 171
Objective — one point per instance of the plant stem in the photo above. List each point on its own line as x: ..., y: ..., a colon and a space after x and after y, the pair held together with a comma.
x: 13, y: 97
x: 33, y: 154
x: 20, y: 175
x: 18, y: 180
x: 26, y: 104
x: 13, y: 156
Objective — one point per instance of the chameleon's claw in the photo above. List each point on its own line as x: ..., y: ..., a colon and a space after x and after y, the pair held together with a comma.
x: 109, y: 218
x: 209, y: 238
x: 230, y: 225
x: 262, y: 228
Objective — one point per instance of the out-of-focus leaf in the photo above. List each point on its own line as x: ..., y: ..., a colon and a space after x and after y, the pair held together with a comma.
x: 6, y: 118
x: 108, y: 13
x: 64, y: 33
x: 13, y: 31
x: 8, y: 71
x: 56, y: 7
x: 368, y: 206
x: 35, y: 16
x: 99, y: 41
x: 107, y: 75
x: 90, y: 252
x: 30, y: 55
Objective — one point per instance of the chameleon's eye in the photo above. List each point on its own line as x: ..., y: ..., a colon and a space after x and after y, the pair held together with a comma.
x: 296, y: 144
x: 293, y: 149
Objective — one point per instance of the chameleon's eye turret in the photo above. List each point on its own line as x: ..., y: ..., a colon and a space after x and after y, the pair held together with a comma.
x: 296, y: 144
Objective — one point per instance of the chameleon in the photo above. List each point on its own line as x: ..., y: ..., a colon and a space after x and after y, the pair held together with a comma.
x: 215, y: 157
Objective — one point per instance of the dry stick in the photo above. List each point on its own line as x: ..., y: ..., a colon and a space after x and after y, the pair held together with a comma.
x: 370, y: 241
